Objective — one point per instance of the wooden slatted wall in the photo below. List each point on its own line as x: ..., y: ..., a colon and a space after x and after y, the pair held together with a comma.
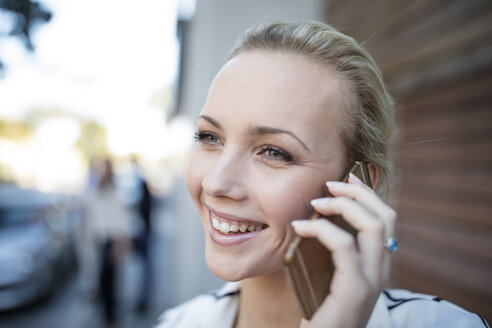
x: 436, y: 57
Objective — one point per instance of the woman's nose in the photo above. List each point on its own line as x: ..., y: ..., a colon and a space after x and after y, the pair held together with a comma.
x: 226, y: 177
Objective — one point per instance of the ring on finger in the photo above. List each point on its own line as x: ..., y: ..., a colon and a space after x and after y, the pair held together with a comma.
x: 391, y: 244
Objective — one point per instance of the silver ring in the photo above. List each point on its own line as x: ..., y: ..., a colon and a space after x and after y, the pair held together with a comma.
x: 391, y: 244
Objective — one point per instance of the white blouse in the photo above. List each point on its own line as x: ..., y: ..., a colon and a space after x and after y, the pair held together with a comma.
x: 394, y: 309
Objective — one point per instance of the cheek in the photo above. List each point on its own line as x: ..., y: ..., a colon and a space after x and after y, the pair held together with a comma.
x: 289, y: 199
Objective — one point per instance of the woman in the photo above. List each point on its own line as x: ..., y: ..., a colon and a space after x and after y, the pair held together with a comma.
x: 286, y: 116
x: 108, y: 229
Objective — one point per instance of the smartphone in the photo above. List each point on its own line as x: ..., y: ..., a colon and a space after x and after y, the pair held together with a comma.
x: 308, y: 263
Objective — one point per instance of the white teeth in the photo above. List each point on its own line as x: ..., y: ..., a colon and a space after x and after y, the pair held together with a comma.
x: 224, y: 227
x: 227, y: 228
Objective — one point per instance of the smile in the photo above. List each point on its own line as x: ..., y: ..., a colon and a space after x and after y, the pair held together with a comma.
x: 227, y: 226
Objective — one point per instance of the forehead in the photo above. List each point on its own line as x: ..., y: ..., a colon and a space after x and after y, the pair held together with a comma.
x: 279, y: 82
x: 277, y: 88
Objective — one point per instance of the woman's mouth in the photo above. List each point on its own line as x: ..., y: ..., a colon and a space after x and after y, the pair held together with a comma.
x: 234, y: 227
x: 232, y: 231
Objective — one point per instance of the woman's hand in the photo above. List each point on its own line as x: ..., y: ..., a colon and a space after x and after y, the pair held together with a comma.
x: 362, y: 271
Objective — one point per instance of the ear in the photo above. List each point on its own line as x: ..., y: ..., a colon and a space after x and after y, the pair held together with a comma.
x: 374, y: 174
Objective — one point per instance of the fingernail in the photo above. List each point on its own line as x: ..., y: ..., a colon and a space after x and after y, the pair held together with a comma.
x: 319, y: 201
x: 298, y: 223
x: 335, y: 184
x: 355, y: 178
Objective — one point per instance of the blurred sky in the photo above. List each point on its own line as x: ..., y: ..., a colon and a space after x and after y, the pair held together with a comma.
x: 101, y: 59
x: 113, y: 61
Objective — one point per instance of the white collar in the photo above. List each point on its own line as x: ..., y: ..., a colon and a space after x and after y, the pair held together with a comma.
x: 380, y: 317
x: 227, y: 311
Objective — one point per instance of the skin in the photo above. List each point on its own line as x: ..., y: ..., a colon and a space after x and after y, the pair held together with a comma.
x: 268, y: 140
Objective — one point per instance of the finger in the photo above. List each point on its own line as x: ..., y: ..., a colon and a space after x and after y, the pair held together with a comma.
x: 339, y: 242
x: 352, y: 211
x: 370, y: 235
x: 389, y: 216
x: 390, y: 223
x: 356, y: 189
x: 368, y: 198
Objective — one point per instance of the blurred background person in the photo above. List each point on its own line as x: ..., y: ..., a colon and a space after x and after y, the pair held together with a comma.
x: 143, y: 240
x: 86, y: 245
x: 108, y: 227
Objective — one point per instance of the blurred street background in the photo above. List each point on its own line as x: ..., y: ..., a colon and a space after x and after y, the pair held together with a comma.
x: 70, y: 304
x: 97, y: 107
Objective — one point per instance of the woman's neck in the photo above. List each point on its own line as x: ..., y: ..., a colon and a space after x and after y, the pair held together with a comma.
x: 267, y: 301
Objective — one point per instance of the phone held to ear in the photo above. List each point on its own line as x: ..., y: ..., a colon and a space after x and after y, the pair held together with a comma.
x: 308, y: 263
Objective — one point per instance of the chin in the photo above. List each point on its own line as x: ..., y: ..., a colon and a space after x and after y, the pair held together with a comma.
x: 227, y: 275
x: 224, y: 267
x: 231, y: 269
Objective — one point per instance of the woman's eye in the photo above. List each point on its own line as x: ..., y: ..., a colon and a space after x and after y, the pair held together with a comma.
x: 274, y: 153
x: 206, y: 137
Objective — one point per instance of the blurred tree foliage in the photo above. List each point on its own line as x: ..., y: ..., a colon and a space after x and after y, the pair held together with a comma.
x: 92, y: 142
x: 93, y: 137
x: 14, y: 130
x: 27, y: 15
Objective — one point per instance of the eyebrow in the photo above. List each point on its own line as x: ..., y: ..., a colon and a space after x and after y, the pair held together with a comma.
x: 271, y: 130
x: 210, y: 120
x: 258, y: 130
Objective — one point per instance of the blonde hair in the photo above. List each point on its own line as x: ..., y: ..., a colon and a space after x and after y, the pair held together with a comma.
x: 369, y: 105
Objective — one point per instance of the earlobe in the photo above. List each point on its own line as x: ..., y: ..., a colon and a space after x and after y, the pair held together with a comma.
x: 374, y: 174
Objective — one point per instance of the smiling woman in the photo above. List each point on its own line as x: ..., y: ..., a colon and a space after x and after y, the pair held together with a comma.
x: 294, y: 106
